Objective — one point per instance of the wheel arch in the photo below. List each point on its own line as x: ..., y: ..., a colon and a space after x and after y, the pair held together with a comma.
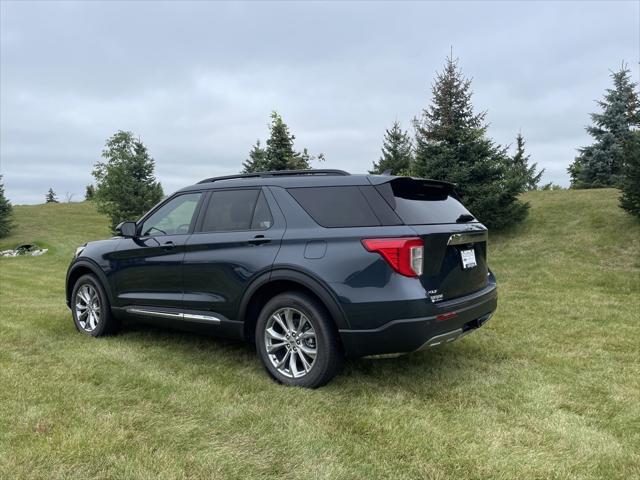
x: 281, y: 280
x: 83, y: 267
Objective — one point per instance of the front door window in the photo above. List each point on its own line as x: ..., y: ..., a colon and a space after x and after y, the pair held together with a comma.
x: 173, y: 218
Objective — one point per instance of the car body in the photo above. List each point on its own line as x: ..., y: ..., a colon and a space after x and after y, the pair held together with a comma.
x: 378, y: 260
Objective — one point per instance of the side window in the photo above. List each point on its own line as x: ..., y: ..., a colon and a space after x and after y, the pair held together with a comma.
x: 336, y: 206
x: 230, y: 210
x: 262, y: 219
x: 173, y: 218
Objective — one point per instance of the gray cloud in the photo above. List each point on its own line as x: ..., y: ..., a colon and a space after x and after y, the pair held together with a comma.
x: 198, y: 80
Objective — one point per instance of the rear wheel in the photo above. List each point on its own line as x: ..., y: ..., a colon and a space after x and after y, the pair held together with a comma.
x: 90, y: 308
x: 297, y: 341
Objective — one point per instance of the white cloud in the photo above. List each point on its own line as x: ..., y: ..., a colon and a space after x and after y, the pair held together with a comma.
x: 198, y: 80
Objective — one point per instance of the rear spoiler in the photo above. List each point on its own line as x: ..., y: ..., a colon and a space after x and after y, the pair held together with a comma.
x: 438, y: 187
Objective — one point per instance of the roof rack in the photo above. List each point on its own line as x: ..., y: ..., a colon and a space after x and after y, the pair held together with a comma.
x: 277, y: 173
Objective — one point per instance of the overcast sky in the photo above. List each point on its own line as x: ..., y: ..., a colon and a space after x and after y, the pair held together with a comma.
x: 197, y: 81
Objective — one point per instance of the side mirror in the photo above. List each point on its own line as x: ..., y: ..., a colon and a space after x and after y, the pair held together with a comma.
x: 126, y: 229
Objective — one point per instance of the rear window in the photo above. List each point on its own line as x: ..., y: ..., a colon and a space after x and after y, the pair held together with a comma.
x: 336, y: 206
x: 419, y: 202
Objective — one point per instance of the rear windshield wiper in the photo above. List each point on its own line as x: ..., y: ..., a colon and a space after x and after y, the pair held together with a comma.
x: 464, y: 218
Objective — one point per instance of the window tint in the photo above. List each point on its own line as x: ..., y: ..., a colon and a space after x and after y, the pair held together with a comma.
x: 420, y: 203
x: 262, y: 218
x: 230, y: 210
x: 172, y: 218
x: 336, y: 206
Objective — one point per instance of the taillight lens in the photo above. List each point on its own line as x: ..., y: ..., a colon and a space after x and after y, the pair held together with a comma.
x: 404, y: 255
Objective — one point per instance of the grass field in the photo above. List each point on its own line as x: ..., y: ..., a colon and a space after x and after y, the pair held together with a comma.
x: 550, y: 388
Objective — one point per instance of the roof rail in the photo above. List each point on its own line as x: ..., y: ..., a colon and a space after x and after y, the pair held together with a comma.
x: 277, y: 173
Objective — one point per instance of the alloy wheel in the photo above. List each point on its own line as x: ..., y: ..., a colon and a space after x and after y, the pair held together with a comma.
x: 88, y: 307
x: 290, y: 341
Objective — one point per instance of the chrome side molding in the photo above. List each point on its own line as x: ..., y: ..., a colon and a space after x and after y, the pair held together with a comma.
x: 192, y: 317
x: 154, y: 313
x: 200, y: 318
x: 464, y: 238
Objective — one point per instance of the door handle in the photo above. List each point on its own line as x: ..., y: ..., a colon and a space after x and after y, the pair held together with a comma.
x: 169, y: 245
x: 258, y: 239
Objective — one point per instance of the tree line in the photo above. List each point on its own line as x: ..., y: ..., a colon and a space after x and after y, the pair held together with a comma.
x: 449, y: 142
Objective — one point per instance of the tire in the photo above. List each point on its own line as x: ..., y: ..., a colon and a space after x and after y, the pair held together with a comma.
x: 295, y: 325
x: 90, y: 308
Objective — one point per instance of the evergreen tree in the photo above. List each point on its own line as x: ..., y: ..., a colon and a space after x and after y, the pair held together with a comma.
x: 452, y: 145
x: 279, y: 153
x: 89, y: 193
x: 51, y: 197
x: 304, y: 159
x: 630, y: 199
x: 256, y: 160
x: 520, y: 166
x: 397, y: 152
x: 126, y: 186
x: 6, y: 211
x: 601, y: 163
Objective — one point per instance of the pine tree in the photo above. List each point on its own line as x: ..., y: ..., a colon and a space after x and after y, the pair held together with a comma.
x: 279, y: 153
x: 256, y: 160
x: 6, y: 211
x: 521, y: 169
x: 89, y: 193
x: 630, y: 199
x: 451, y: 144
x: 126, y: 186
x: 51, y: 197
x: 601, y: 163
x: 397, y: 152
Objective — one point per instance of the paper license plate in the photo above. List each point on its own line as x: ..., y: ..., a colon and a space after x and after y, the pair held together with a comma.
x: 468, y: 258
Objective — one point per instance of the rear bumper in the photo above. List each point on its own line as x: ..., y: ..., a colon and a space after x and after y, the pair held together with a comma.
x: 463, y: 315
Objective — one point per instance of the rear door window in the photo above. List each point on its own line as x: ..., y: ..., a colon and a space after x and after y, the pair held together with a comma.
x: 336, y: 206
x: 262, y: 219
x: 230, y: 210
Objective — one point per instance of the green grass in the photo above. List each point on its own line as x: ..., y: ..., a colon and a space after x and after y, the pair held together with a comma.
x: 550, y: 388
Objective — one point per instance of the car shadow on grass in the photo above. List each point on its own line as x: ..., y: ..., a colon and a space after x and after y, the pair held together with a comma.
x: 445, y: 365
x: 451, y: 363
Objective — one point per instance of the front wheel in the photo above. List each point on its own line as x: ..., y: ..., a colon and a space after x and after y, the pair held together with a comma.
x: 90, y: 308
x: 297, y: 341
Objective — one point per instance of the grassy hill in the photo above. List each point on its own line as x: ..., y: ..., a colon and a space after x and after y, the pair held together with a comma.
x: 550, y: 388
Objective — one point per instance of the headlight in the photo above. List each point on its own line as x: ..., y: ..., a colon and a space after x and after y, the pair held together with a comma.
x: 79, y: 251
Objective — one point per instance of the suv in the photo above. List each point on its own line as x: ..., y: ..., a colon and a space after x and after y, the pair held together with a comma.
x: 310, y: 265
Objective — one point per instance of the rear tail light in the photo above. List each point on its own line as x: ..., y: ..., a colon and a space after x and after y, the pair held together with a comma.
x: 404, y: 255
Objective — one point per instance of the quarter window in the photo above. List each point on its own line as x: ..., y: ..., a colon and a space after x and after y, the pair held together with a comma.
x: 230, y: 210
x: 336, y: 206
x: 172, y: 218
